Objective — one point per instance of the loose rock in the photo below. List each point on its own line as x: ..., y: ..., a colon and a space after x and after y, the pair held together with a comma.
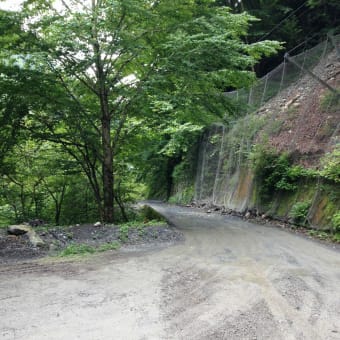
x: 19, y: 229
x: 35, y: 239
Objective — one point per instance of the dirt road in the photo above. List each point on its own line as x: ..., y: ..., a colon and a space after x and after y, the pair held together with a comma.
x: 229, y: 280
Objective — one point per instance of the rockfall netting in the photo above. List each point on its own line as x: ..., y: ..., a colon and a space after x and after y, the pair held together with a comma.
x: 281, y: 109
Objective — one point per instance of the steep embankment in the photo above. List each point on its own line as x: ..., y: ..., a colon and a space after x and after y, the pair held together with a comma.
x: 283, y: 159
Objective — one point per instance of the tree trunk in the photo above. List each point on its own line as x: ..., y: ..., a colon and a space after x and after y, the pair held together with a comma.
x: 58, y: 204
x: 107, y: 162
x: 107, y: 167
x: 120, y: 203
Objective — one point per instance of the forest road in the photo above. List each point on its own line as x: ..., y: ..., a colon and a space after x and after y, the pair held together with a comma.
x: 230, y: 279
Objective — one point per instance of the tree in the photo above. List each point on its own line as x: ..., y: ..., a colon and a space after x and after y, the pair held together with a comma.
x: 103, y: 67
x: 35, y: 178
x: 303, y: 23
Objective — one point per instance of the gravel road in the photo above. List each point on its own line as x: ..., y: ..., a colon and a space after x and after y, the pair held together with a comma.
x: 230, y: 279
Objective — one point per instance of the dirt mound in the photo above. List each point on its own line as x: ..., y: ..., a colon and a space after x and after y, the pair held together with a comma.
x: 18, y: 248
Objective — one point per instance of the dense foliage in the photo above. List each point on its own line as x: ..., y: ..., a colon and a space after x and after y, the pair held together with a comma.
x: 106, y: 91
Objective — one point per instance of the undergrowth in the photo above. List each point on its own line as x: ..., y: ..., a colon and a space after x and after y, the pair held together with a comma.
x: 84, y: 249
x: 299, y: 212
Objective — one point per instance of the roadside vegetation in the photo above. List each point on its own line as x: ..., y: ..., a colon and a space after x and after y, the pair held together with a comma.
x: 84, y: 249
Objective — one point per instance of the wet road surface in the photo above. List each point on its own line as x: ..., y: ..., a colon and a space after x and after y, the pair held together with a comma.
x: 230, y: 279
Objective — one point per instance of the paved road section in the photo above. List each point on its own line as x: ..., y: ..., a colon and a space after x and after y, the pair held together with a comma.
x: 229, y: 280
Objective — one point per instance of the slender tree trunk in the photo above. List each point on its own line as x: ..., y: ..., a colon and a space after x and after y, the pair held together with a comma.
x: 107, y: 166
x: 122, y: 209
x: 23, y: 203
x: 107, y: 162
x: 118, y: 199
x: 58, y: 204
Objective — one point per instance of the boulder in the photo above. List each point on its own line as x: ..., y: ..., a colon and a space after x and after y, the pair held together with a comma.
x: 22, y: 229
x: 19, y: 229
x: 97, y: 224
x: 35, y: 239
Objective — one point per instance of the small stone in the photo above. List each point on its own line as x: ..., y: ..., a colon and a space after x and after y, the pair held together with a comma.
x: 247, y: 215
x: 97, y: 224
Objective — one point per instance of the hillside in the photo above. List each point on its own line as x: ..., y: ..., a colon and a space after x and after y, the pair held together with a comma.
x: 274, y: 160
x: 303, y: 119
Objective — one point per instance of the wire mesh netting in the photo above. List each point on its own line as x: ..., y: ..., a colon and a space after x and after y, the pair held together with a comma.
x: 275, y: 109
x: 281, y: 77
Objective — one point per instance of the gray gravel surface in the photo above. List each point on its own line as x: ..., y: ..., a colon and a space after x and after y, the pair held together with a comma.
x: 230, y: 279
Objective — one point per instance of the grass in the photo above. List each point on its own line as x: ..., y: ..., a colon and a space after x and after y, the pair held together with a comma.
x: 109, y: 246
x: 84, y: 249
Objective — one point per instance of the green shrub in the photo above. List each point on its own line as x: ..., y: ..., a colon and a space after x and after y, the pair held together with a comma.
x: 7, y: 216
x: 331, y: 165
x: 183, y: 197
x: 274, y: 171
x: 124, y: 232
x: 336, y: 221
x: 85, y: 249
x: 77, y: 249
x: 109, y: 246
x: 299, y: 212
